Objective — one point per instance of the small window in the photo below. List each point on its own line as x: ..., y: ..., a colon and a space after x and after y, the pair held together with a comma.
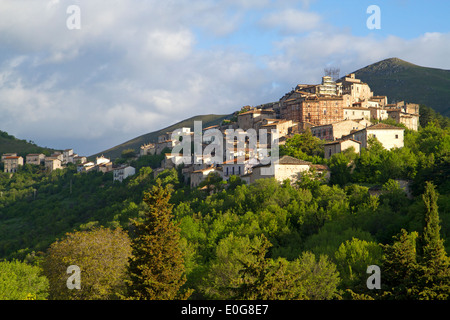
x: 396, y: 136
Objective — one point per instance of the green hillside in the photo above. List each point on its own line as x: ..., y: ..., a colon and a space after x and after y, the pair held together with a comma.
x: 136, y: 143
x: 9, y: 143
x: 400, y: 80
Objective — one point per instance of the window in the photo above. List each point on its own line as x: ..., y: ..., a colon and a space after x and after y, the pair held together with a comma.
x: 396, y: 136
x: 324, y: 111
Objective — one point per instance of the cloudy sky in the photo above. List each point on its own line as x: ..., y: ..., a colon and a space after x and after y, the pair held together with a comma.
x: 136, y: 66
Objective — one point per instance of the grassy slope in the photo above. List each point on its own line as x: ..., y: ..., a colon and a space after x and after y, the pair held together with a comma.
x: 207, y: 120
x: 21, y: 147
x: 401, y: 80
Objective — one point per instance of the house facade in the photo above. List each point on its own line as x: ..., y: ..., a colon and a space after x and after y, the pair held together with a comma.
x: 35, y: 158
x: 53, y: 163
x: 339, y: 146
x: 11, y: 163
x: 333, y: 131
x: 389, y: 136
x: 286, y: 168
x: 123, y: 172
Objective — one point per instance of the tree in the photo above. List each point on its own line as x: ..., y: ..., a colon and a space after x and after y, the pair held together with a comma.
x: 302, y: 279
x: 419, y: 269
x: 435, y: 268
x: 352, y: 259
x: 400, y: 267
x: 101, y: 254
x: 224, y: 270
x: 156, y: 267
x: 303, y: 146
x: 21, y: 281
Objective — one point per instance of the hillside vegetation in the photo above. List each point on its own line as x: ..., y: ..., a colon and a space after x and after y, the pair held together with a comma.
x: 400, y: 80
x: 9, y: 143
x: 268, y: 240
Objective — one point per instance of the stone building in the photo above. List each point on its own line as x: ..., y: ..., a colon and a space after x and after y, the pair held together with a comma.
x: 314, y: 109
x: 53, y: 163
x: 250, y: 118
x: 389, y: 136
x: 35, y: 158
x: 198, y: 176
x: 147, y: 149
x: 285, y: 168
x: 11, y: 163
x: 338, y: 129
x: 339, y: 146
x: 123, y: 172
x: 410, y: 120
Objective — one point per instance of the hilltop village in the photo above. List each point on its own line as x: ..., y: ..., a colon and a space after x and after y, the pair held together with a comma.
x: 344, y: 113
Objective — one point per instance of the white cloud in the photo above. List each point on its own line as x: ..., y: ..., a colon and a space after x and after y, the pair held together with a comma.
x: 292, y: 21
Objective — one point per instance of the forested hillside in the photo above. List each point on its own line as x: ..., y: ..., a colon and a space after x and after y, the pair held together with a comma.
x: 9, y: 143
x: 268, y: 240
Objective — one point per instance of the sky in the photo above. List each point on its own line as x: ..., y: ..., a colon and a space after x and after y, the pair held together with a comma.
x: 91, y: 74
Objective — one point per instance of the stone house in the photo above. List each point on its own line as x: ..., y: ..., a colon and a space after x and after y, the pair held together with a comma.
x: 53, y: 163
x: 198, y: 176
x: 250, y: 118
x: 410, y: 120
x: 340, y: 145
x: 338, y: 129
x: 354, y: 112
x: 12, y: 163
x: 389, y: 136
x: 35, y: 158
x: 147, y: 149
x: 123, y: 172
x: 66, y: 155
x: 285, y: 168
x: 105, y: 167
x: 101, y: 160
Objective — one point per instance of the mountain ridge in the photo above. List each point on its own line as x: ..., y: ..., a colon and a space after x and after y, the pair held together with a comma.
x: 402, y: 80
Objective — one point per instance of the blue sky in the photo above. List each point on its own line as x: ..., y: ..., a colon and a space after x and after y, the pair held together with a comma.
x: 135, y: 66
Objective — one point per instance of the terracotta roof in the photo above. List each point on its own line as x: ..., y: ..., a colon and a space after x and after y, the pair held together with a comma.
x: 383, y: 126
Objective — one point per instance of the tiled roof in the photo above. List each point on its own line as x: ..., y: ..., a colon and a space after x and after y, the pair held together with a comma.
x: 383, y: 126
x: 292, y: 160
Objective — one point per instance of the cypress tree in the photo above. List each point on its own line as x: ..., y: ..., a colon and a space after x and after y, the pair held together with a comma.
x: 157, y: 267
x: 435, y: 271
x: 400, y: 267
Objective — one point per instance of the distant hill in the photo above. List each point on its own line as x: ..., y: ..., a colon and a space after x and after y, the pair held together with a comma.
x: 9, y: 144
x: 400, y: 80
x: 136, y: 143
